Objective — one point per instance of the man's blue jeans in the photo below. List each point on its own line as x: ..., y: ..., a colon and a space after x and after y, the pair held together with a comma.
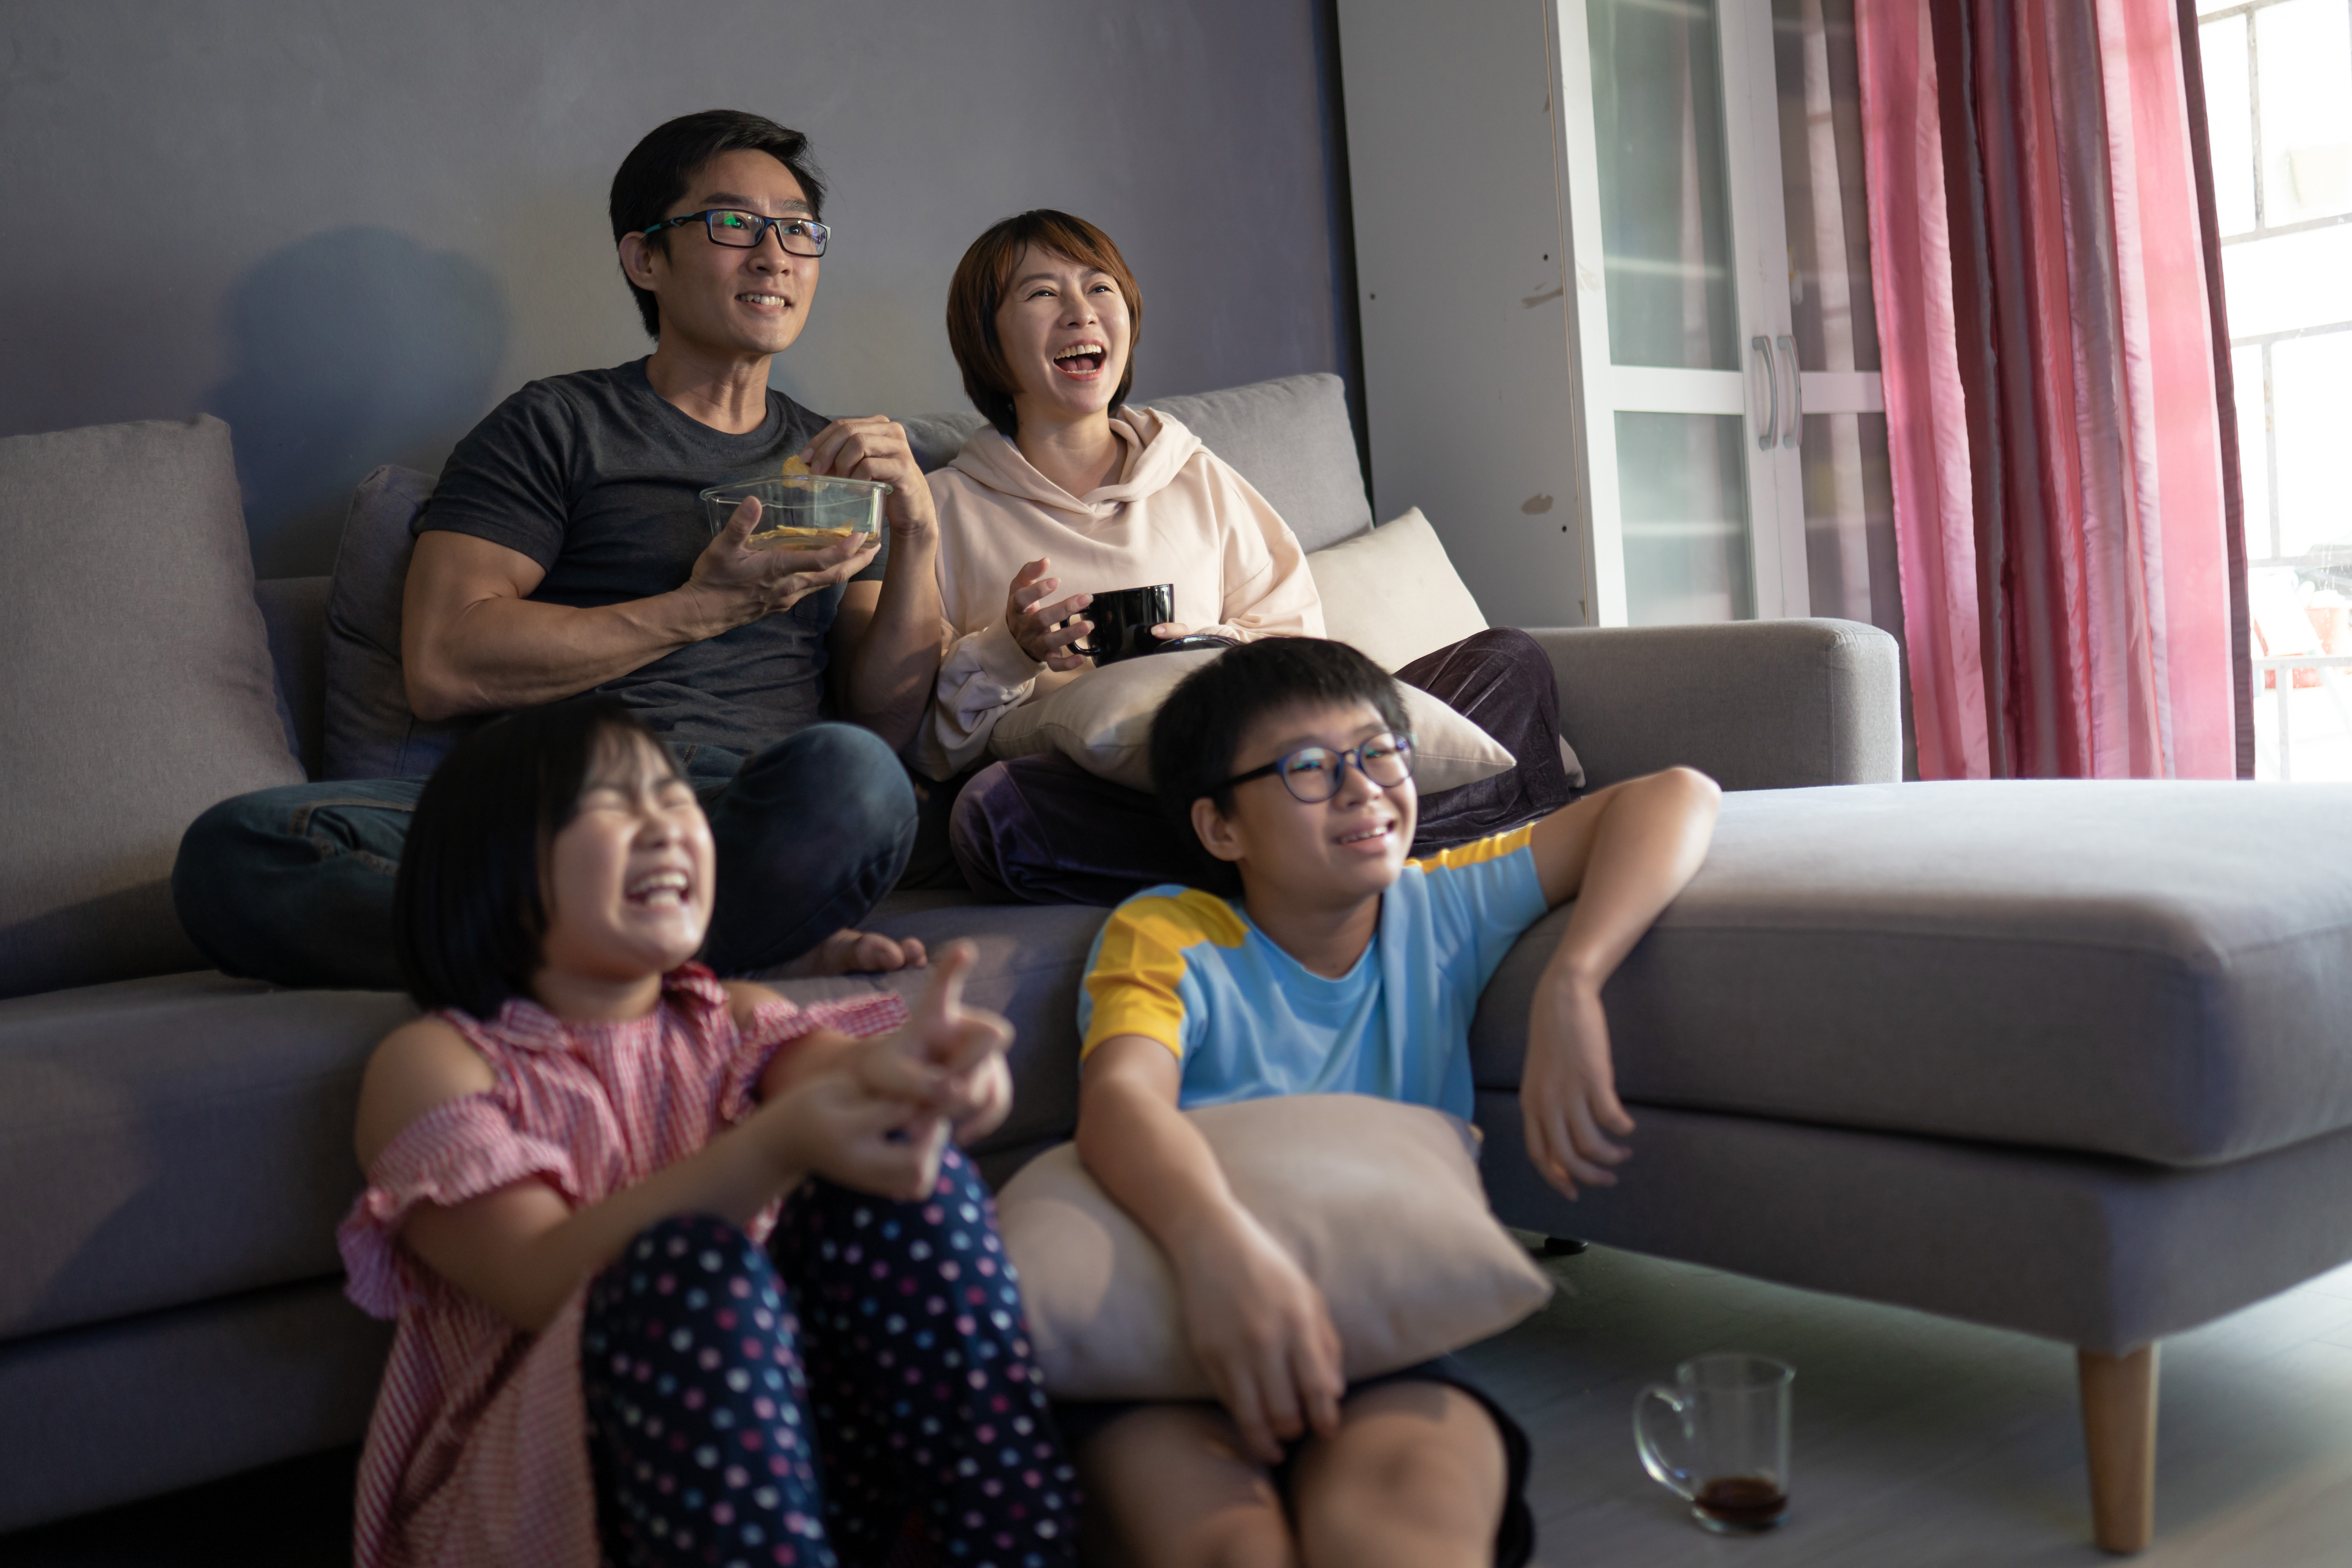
x: 294, y: 885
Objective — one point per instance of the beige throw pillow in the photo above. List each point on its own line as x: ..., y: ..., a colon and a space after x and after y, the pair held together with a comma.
x: 1392, y: 593
x: 1379, y: 1202
x: 139, y: 691
x: 1102, y: 721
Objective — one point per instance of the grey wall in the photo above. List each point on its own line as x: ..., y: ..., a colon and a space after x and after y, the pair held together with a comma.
x: 348, y: 227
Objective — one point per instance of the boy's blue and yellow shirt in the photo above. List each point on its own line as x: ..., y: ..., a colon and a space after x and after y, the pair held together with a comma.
x: 1246, y: 1020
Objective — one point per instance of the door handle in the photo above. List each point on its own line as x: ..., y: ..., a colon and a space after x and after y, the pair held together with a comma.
x: 1795, y: 433
x: 1760, y: 350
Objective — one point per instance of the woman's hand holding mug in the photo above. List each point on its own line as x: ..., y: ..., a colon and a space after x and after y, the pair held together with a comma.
x: 1043, y: 630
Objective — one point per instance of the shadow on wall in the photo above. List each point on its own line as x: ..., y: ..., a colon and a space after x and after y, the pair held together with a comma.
x: 352, y: 347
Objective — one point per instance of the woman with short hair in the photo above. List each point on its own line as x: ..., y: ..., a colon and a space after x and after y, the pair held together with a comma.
x: 1070, y: 488
x: 1069, y: 493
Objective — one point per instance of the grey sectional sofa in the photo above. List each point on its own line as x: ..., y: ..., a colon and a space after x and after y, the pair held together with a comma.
x: 2066, y: 1058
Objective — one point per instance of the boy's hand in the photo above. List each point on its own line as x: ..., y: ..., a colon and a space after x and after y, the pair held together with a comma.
x: 1567, y: 1089
x: 1263, y: 1334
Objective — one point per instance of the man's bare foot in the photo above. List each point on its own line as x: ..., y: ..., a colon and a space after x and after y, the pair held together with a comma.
x: 848, y: 952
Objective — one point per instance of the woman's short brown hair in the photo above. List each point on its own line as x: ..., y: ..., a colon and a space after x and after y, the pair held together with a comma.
x: 980, y: 279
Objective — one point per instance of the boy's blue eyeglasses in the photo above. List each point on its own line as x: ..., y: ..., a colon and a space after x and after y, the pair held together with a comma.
x: 1312, y: 773
x: 744, y: 231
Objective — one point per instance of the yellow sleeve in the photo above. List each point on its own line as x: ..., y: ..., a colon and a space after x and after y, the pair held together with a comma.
x: 1136, y: 984
x: 1478, y: 850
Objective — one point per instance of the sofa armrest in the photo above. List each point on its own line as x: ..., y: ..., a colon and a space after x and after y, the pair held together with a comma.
x: 294, y: 611
x: 1753, y: 704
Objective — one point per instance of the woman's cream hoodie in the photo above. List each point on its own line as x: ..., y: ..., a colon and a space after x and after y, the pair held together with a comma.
x: 1177, y: 515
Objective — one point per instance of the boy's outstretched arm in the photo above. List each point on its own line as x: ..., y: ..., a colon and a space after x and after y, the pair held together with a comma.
x: 1257, y: 1324
x: 1621, y: 853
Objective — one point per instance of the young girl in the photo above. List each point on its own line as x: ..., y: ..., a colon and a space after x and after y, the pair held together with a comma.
x: 575, y: 1162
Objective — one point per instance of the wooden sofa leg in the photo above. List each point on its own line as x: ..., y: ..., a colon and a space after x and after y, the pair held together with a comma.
x: 2119, y: 1438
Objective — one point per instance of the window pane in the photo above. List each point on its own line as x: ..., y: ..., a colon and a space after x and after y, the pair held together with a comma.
x: 2287, y: 284
x: 2304, y: 57
x: 1665, y: 219
x: 2253, y: 453
x: 1682, y: 492
x: 1820, y: 87
x: 2311, y: 385
x: 2229, y: 120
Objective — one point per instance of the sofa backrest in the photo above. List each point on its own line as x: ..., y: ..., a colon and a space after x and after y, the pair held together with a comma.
x: 370, y: 732
x: 1289, y: 437
x: 139, y: 691
x: 294, y: 612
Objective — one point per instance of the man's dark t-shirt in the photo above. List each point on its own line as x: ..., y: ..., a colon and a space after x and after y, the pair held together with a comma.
x: 598, y: 478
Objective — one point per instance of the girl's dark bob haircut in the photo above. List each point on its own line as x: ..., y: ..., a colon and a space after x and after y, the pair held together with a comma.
x: 978, y: 292
x: 469, y: 908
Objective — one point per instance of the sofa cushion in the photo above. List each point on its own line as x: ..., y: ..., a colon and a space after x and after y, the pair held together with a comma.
x: 1103, y: 722
x: 1290, y: 439
x: 1377, y: 1202
x: 139, y: 689
x: 185, y: 1137
x: 175, y: 1139
x: 935, y: 438
x: 2161, y: 971
x: 294, y: 610
x: 1393, y: 594
x: 371, y: 733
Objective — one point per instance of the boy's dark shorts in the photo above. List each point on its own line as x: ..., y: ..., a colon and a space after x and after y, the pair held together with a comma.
x: 1514, y: 1537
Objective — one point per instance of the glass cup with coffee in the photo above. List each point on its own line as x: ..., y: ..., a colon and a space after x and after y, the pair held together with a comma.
x: 1122, y: 621
x: 1727, y: 1452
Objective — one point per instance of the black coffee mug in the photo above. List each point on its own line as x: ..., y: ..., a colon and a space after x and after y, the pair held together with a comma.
x: 1123, y: 619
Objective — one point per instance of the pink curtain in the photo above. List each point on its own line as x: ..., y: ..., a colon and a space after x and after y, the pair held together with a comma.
x: 2049, y: 358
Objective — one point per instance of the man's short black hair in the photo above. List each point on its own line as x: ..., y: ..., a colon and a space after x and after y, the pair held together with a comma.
x: 1199, y: 728
x: 655, y: 175
x: 469, y: 911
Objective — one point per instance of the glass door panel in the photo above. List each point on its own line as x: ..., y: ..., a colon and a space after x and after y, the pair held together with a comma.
x: 1665, y: 217
x: 1683, y: 493
x: 1677, y: 248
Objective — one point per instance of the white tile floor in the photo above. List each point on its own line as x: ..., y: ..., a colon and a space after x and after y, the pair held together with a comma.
x: 1919, y: 1442
x: 1923, y: 1441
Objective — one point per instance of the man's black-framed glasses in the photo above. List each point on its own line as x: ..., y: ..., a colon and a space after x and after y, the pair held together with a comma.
x: 745, y: 231
x: 1312, y: 773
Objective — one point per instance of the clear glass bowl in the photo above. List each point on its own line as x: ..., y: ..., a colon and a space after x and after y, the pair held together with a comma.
x: 799, y: 511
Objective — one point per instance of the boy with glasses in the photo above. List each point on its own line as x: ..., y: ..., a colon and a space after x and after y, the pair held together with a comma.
x: 1342, y: 968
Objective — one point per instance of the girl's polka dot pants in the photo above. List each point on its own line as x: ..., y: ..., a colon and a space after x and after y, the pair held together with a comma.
x: 888, y: 1402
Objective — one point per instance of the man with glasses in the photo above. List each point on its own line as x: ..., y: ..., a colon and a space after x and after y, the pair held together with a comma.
x: 565, y: 550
